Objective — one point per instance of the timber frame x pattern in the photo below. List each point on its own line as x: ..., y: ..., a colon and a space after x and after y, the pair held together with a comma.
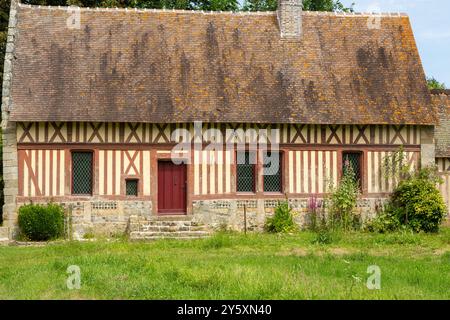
x: 142, y: 133
x: 311, y: 159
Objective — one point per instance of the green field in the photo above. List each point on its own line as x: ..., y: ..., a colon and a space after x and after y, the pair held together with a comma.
x: 233, y: 266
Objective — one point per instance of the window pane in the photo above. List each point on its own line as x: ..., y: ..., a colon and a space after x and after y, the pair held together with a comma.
x: 272, y: 172
x: 352, y: 160
x: 245, y: 172
x: 82, y: 172
x: 132, y: 187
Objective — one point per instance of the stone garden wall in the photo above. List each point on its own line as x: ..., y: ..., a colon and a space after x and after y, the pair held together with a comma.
x: 229, y: 214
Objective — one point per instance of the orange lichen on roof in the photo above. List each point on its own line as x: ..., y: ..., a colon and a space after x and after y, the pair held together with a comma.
x: 179, y: 66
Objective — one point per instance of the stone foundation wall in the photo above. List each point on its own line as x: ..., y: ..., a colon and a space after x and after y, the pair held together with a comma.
x: 110, y: 217
x: 229, y: 214
x: 103, y: 217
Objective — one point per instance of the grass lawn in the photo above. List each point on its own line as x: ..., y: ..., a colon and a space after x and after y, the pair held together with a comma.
x: 233, y: 266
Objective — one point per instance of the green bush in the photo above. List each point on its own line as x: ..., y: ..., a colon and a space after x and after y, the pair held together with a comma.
x: 415, y: 204
x: 419, y: 204
x: 386, y: 221
x: 282, y: 221
x: 41, y: 222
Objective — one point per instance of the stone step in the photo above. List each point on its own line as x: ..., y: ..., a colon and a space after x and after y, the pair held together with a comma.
x: 164, y: 228
x: 168, y: 235
x: 169, y: 223
x: 171, y: 234
x: 166, y: 223
x: 154, y: 238
x: 175, y: 218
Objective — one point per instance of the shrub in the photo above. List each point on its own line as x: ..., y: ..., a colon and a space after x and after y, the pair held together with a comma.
x: 415, y: 204
x: 282, y: 221
x: 419, y: 204
x: 41, y: 223
x: 386, y: 221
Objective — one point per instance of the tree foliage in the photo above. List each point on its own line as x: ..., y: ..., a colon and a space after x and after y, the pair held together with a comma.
x: 326, y: 5
x: 208, y: 5
x: 213, y: 5
x: 434, y: 84
x: 282, y: 221
x: 308, y: 5
x: 4, y: 16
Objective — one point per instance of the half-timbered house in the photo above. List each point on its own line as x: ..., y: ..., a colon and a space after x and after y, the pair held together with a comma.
x: 95, y: 100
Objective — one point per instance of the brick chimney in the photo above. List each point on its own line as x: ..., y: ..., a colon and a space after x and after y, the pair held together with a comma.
x: 290, y: 18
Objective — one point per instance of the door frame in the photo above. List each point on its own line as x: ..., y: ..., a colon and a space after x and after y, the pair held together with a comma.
x: 186, y: 184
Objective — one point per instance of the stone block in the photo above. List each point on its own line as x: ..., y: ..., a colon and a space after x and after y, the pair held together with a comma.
x: 10, y: 174
x: 427, y: 155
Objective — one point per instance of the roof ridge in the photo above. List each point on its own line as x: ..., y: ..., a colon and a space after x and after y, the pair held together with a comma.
x: 357, y: 14
x: 440, y: 91
x: 140, y: 10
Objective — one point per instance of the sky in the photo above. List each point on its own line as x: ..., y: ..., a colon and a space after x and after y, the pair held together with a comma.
x: 430, y: 21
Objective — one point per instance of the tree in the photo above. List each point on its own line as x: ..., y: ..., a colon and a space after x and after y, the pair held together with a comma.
x: 326, y: 5
x: 308, y: 5
x: 260, y: 5
x: 207, y: 5
x: 434, y: 84
x: 4, y: 16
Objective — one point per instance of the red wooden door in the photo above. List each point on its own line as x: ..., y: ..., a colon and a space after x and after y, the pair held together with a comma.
x: 171, y: 188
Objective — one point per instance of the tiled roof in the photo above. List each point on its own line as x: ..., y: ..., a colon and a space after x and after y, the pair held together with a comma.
x: 180, y: 66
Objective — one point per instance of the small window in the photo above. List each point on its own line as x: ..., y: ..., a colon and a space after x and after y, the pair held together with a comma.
x: 131, y: 187
x: 245, y: 171
x: 272, y: 172
x: 352, y: 161
x: 82, y: 173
